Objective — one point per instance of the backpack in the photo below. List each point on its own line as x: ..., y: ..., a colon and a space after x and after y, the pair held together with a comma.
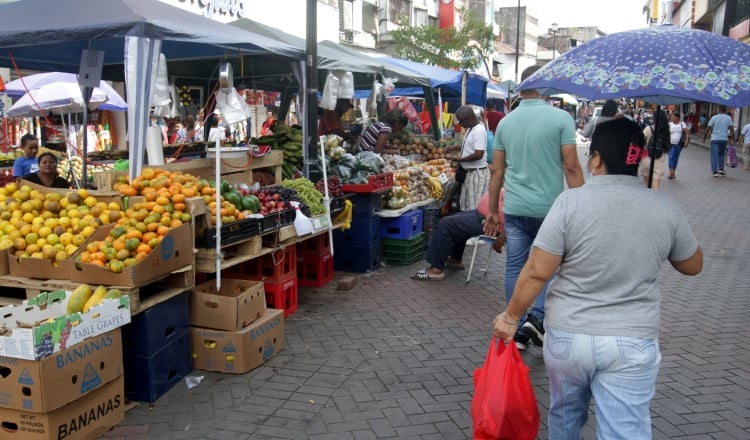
x: 655, y: 153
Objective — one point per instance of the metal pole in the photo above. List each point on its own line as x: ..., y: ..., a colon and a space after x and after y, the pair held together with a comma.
x: 554, y: 43
x: 311, y: 75
x: 86, y: 93
x: 518, y: 35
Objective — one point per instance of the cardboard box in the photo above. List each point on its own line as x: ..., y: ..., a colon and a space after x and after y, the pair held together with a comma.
x: 83, y: 419
x: 47, y: 384
x: 237, y: 304
x: 52, y: 324
x: 174, y: 252
x: 240, y: 351
x: 4, y: 257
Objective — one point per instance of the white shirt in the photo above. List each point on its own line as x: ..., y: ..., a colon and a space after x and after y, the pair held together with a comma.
x: 475, y: 140
x: 675, y: 132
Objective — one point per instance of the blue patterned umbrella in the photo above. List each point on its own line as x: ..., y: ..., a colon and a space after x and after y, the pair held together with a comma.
x: 661, y: 65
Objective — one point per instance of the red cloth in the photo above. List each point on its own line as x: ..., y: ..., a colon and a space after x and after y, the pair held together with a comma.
x: 493, y: 118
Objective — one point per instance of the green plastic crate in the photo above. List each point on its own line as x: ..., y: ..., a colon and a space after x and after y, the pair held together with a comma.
x: 404, y: 251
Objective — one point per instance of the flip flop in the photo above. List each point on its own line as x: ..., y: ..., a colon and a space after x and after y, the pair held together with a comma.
x: 453, y: 266
x: 423, y: 275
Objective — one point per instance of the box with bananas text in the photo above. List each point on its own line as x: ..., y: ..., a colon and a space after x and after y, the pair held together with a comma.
x: 239, y: 351
x: 47, y: 384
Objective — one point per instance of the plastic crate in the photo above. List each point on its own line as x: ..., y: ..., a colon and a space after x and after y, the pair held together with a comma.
x: 148, y: 378
x: 362, y: 232
x: 356, y: 258
x: 375, y: 182
x: 366, y: 206
x: 282, y: 295
x: 405, y: 227
x: 314, y: 270
x: 157, y: 326
x: 274, y: 267
x: 315, y: 246
x: 277, y: 220
x: 430, y: 218
x: 230, y: 233
x: 404, y: 251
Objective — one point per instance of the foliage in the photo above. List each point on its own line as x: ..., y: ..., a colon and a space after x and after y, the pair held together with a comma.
x: 447, y: 47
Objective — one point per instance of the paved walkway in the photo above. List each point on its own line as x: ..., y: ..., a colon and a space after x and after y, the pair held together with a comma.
x: 394, y: 358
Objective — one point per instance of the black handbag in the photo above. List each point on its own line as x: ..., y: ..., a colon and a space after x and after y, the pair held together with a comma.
x: 460, y: 174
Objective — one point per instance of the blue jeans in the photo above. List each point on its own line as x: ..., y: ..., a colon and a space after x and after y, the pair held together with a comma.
x: 619, y: 372
x: 674, y: 155
x: 718, y: 155
x: 520, y: 233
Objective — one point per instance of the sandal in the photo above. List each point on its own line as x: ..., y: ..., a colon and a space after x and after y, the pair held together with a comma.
x: 423, y: 275
x: 454, y: 266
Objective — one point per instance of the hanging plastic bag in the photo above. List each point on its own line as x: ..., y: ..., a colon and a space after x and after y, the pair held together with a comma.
x: 389, y: 85
x: 504, y: 405
x: 233, y: 108
x: 330, y: 92
x: 732, y: 161
x: 346, y: 86
x: 376, y: 95
x: 160, y: 99
x: 404, y: 104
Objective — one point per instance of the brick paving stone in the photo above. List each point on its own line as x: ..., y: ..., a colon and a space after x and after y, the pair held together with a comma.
x: 394, y: 358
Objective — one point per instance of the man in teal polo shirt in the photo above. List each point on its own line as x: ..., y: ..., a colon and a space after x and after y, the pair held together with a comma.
x: 535, y: 153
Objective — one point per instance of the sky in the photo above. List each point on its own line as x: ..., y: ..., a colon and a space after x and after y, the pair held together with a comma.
x: 608, y: 15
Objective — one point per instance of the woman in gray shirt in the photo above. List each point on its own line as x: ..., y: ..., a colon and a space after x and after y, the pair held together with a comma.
x: 602, y: 245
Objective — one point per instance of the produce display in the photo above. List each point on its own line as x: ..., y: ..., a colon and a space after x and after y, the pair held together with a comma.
x: 429, y: 149
x: 50, y: 226
x: 65, y: 164
x: 334, y: 186
x: 277, y: 197
x: 307, y: 194
x: 84, y: 298
x: 288, y: 140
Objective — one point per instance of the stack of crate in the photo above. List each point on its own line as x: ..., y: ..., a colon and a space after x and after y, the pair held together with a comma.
x: 358, y: 248
x: 232, y: 331
x: 403, y: 239
x: 157, y: 349
x: 278, y: 272
x: 314, y: 261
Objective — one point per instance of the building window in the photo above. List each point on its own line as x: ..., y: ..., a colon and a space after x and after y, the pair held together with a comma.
x: 420, y: 17
x: 399, y: 12
x: 369, y: 18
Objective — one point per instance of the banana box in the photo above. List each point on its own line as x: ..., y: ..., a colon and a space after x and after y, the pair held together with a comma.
x: 41, y: 326
x: 47, y: 384
x: 4, y: 265
x: 83, y: 419
x: 239, y: 351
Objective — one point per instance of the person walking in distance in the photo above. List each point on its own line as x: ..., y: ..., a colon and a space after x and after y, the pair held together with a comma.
x: 535, y: 147
x: 720, y: 130
x: 679, y: 138
x: 744, y: 140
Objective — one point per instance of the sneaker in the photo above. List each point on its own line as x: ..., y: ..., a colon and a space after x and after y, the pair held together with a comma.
x: 716, y: 174
x: 722, y: 173
x: 521, y: 340
x: 534, y: 329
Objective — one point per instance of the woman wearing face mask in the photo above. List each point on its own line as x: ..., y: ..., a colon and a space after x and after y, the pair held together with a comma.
x: 602, y: 246
x: 47, y: 174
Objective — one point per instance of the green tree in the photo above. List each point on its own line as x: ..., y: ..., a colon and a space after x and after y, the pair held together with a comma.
x: 448, y: 47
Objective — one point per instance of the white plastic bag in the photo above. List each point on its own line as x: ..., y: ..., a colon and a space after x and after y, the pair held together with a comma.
x: 389, y: 84
x: 374, y: 98
x: 160, y: 98
x: 346, y: 86
x: 330, y: 92
x: 232, y: 107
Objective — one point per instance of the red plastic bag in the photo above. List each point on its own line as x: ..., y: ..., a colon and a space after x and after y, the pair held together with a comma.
x: 504, y: 405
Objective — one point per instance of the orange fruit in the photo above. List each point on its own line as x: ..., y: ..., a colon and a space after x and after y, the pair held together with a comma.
x: 163, y: 230
x: 162, y: 200
x: 175, y: 223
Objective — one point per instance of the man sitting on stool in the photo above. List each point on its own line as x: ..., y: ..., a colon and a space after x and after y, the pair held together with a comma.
x: 446, y: 247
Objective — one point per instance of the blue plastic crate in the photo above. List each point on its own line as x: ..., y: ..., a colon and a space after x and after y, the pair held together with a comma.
x: 148, y: 377
x: 363, y: 232
x: 354, y: 258
x: 365, y: 206
x: 157, y: 326
x: 405, y: 227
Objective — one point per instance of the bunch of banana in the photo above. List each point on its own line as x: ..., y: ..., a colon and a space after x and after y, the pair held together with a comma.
x: 434, y: 187
x: 83, y: 298
x: 292, y: 159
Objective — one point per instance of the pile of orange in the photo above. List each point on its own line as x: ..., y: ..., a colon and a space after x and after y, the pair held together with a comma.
x: 50, y: 225
x: 166, y: 188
